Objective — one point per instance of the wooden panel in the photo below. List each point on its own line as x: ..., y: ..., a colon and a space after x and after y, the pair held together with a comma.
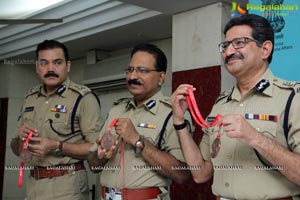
x: 207, y: 81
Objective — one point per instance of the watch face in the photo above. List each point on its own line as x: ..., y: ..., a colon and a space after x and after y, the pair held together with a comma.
x: 58, y: 152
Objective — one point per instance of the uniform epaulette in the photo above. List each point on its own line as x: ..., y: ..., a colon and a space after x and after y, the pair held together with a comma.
x: 122, y: 100
x: 223, y: 95
x: 81, y: 89
x: 33, y: 90
x: 297, y: 87
x: 283, y: 83
x: 166, y: 100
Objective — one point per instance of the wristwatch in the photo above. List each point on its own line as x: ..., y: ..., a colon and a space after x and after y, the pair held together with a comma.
x: 58, y: 150
x: 139, y: 145
x: 181, y: 126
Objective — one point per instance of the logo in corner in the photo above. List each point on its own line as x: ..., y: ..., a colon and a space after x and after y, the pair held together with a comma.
x: 237, y: 10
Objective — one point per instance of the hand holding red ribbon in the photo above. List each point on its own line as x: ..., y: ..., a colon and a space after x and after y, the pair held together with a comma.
x: 215, y: 147
x: 25, y: 156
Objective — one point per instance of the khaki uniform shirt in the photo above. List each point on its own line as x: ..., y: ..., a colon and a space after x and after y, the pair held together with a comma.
x: 39, y: 109
x: 148, y: 120
x: 238, y: 173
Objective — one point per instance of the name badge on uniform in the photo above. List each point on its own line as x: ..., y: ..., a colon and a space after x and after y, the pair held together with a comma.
x: 146, y: 125
x: 29, y: 109
x: 59, y: 108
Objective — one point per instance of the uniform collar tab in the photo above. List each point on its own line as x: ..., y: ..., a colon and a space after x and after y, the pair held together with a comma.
x: 150, y: 104
x: 61, y: 89
x: 262, y: 85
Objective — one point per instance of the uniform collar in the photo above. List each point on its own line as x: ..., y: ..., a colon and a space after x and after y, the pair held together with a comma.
x: 264, y: 86
x: 150, y: 104
x: 61, y: 90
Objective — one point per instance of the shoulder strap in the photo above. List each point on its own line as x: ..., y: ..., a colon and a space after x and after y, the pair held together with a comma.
x: 74, y: 112
x: 163, y: 129
x: 286, y: 115
x: 285, y: 126
x: 75, y: 109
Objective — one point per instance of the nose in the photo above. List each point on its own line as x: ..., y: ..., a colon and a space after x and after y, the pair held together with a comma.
x: 51, y: 66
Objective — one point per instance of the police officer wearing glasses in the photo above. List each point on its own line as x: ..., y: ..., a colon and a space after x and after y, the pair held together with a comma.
x: 146, y: 153
x: 258, y: 153
x: 64, y: 118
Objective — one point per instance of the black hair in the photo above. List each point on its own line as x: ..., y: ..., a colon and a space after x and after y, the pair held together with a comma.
x: 261, y: 28
x: 52, y: 44
x: 161, y: 59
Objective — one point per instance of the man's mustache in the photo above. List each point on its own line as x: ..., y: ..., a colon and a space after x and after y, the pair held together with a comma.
x: 238, y: 56
x: 134, y: 82
x: 51, y: 73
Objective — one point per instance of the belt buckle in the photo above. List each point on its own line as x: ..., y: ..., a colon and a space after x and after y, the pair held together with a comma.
x: 72, y: 169
x: 113, y: 193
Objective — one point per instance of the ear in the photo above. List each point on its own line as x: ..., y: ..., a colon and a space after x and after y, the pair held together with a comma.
x: 162, y: 78
x: 267, y: 47
x: 36, y: 67
x: 68, y: 65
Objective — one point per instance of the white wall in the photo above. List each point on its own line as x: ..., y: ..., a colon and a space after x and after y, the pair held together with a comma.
x: 196, y: 35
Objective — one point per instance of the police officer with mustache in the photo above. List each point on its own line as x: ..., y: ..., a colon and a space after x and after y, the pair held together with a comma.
x: 146, y: 154
x: 65, y: 120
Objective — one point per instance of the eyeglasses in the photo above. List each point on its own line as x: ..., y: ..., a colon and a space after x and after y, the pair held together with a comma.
x: 237, y: 43
x: 140, y: 70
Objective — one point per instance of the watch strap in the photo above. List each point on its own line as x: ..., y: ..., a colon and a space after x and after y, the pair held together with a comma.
x: 180, y: 126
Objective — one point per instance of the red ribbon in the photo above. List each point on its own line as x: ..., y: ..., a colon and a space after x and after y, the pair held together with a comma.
x: 22, y: 164
x: 196, y: 113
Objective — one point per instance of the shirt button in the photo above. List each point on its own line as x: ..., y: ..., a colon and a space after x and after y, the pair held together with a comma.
x: 241, y: 105
x: 258, y: 129
x: 226, y: 184
x: 46, y: 102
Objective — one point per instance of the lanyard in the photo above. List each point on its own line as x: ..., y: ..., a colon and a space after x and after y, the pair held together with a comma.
x: 25, y: 158
x: 216, y: 145
x: 106, y: 138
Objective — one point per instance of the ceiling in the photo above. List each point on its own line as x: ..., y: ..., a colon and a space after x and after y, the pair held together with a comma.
x: 93, y: 24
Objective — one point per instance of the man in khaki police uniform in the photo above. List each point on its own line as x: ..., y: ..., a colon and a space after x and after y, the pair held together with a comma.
x: 135, y: 168
x: 255, y: 160
x: 63, y: 134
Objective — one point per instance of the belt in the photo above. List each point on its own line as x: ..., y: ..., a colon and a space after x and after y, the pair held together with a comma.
x: 56, y: 170
x: 136, y: 194
x: 286, y: 198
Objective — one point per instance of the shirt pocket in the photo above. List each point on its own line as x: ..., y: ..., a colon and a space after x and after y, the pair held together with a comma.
x: 28, y: 117
x: 268, y: 128
x: 60, y: 123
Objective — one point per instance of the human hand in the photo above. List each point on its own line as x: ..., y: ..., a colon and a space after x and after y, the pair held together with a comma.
x: 39, y: 146
x: 125, y: 128
x: 179, y: 102
x: 236, y: 126
x: 24, y: 131
x: 103, y: 153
